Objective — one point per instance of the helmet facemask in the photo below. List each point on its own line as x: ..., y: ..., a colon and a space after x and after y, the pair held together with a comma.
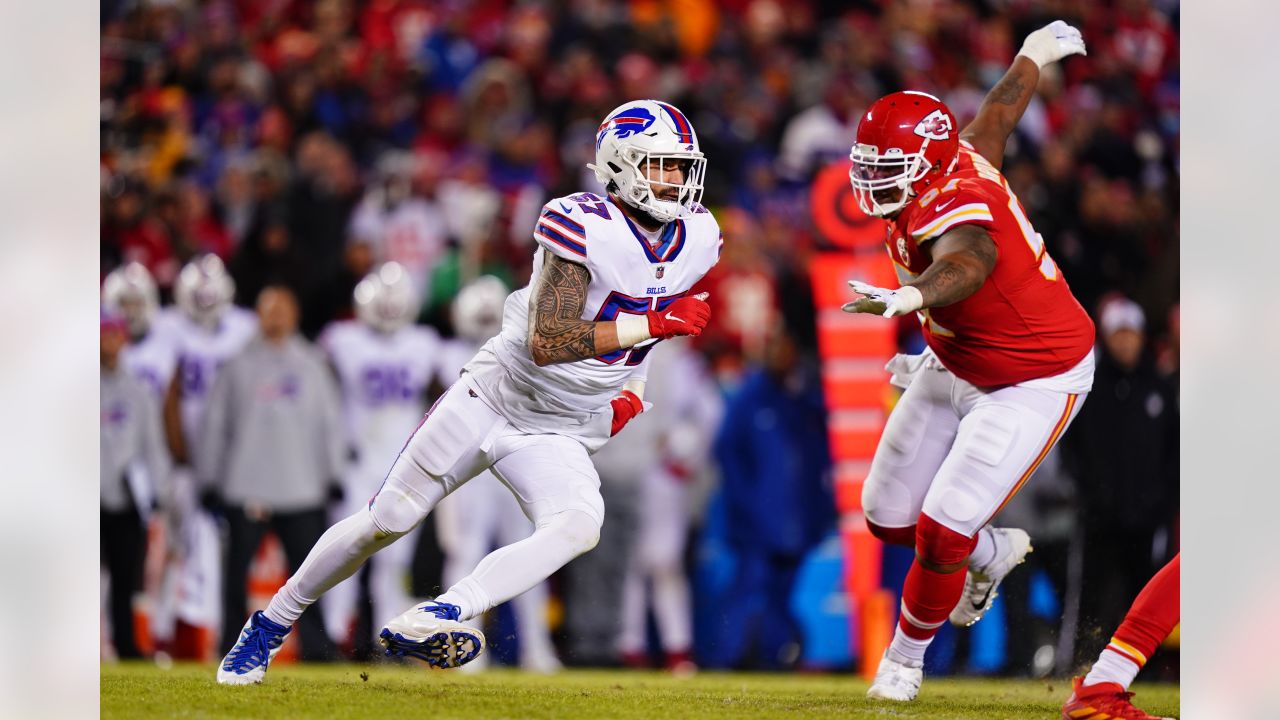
x: 641, y: 140
x: 637, y: 187
x: 875, y: 174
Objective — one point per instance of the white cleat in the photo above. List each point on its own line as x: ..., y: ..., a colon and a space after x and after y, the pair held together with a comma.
x: 246, y: 662
x: 895, y: 681
x: 432, y: 633
x: 980, y: 585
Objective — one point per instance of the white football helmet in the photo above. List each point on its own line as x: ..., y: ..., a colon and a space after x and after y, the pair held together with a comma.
x: 477, y: 310
x: 385, y: 299
x: 130, y: 292
x: 648, y: 134
x: 204, y: 290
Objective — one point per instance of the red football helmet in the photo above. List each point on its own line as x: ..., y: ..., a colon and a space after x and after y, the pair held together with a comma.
x: 906, y: 141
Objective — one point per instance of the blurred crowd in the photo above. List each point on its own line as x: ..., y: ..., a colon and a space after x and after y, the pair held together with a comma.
x: 307, y: 143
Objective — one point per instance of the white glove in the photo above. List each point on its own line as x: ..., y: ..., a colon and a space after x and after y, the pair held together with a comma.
x: 1051, y: 43
x: 880, y: 301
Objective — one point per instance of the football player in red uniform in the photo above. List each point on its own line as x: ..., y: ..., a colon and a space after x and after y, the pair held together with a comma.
x: 1009, y: 358
x: 1104, y: 692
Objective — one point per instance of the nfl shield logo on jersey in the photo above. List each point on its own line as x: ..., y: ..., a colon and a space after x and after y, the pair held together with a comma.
x: 658, y: 272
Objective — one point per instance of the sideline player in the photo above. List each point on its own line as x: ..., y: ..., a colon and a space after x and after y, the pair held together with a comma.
x: 384, y: 364
x: 130, y: 292
x: 207, y: 330
x: 1104, y: 692
x: 611, y: 275
x: 482, y: 513
x: 1009, y: 358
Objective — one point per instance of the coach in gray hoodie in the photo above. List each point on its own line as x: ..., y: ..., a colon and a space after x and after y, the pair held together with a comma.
x: 272, y: 448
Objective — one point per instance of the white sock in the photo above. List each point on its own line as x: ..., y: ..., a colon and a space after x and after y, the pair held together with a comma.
x: 339, y: 552
x: 511, y: 570
x: 984, y: 553
x: 1112, y: 667
x: 907, y: 650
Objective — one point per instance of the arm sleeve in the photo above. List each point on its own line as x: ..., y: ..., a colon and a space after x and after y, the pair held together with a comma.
x: 559, y: 232
x: 331, y: 431
x: 155, y: 453
x: 215, y: 430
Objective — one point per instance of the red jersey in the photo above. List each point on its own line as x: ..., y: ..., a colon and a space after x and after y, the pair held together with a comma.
x: 1023, y: 323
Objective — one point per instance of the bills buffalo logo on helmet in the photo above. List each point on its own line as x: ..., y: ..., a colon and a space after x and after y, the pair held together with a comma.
x: 935, y: 126
x: 625, y: 124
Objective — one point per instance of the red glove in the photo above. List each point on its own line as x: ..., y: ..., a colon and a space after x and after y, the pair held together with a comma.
x: 686, y: 316
x: 625, y: 406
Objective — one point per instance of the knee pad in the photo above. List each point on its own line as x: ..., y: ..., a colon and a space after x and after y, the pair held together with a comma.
x: 578, y: 530
x: 941, y: 545
x: 887, y: 502
x: 397, y: 509
x: 905, y: 536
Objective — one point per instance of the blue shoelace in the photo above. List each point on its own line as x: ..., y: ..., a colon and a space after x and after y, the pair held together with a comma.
x: 444, y: 611
x: 253, y: 649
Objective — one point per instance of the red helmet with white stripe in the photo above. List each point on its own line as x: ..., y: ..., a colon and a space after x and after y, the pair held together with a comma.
x: 906, y: 141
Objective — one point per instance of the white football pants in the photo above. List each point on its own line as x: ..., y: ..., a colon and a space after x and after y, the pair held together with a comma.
x: 551, y: 477
x: 959, y: 453
x: 388, y: 572
x: 473, y: 520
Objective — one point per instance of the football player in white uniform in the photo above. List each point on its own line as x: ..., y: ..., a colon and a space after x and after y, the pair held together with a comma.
x: 384, y: 363
x: 611, y: 275
x: 150, y: 356
x: 206, y: 331
x: 482, y: 512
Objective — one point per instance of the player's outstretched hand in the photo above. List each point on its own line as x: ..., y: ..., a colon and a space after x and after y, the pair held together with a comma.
x: 626, y: 406
x: 881, y: 301
x: 686, y: 316
x: 1053, y: 42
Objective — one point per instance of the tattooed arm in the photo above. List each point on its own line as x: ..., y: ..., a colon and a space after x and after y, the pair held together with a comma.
x: 962, y: 259
x: 1001, y: 110
x: 557, y: 332
x: 1004, y: 105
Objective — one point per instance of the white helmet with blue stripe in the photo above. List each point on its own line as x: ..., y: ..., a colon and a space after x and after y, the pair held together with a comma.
x: 641, y: 139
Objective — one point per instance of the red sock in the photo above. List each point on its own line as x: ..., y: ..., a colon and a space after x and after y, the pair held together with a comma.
x: 927, y: 600
x: 928, y: 596
x: 1154, y: 614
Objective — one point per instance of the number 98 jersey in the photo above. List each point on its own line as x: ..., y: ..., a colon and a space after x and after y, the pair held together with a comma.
x: 384, y: 378
x: 1023, y: 323
x: 631, y: 272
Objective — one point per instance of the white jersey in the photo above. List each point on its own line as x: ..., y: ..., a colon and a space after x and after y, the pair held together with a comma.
x: 152, y: 360
x: 384, y: 381
x: 629, y: 274
x: 201, y: 351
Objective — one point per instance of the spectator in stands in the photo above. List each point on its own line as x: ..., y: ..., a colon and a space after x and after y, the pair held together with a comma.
x: 272, y: 450
x: 134, y: 466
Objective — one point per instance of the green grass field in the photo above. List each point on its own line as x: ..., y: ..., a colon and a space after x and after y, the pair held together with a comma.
x: 141, y: 690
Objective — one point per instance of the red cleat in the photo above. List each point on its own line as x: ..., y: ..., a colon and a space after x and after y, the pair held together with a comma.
x: 1101, y: 702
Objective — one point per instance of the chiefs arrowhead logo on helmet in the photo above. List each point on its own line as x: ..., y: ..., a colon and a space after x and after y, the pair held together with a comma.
x: 935, y: 126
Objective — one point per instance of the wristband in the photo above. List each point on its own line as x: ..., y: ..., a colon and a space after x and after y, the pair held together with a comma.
x: 632, y: 329
x: 912, y: 300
